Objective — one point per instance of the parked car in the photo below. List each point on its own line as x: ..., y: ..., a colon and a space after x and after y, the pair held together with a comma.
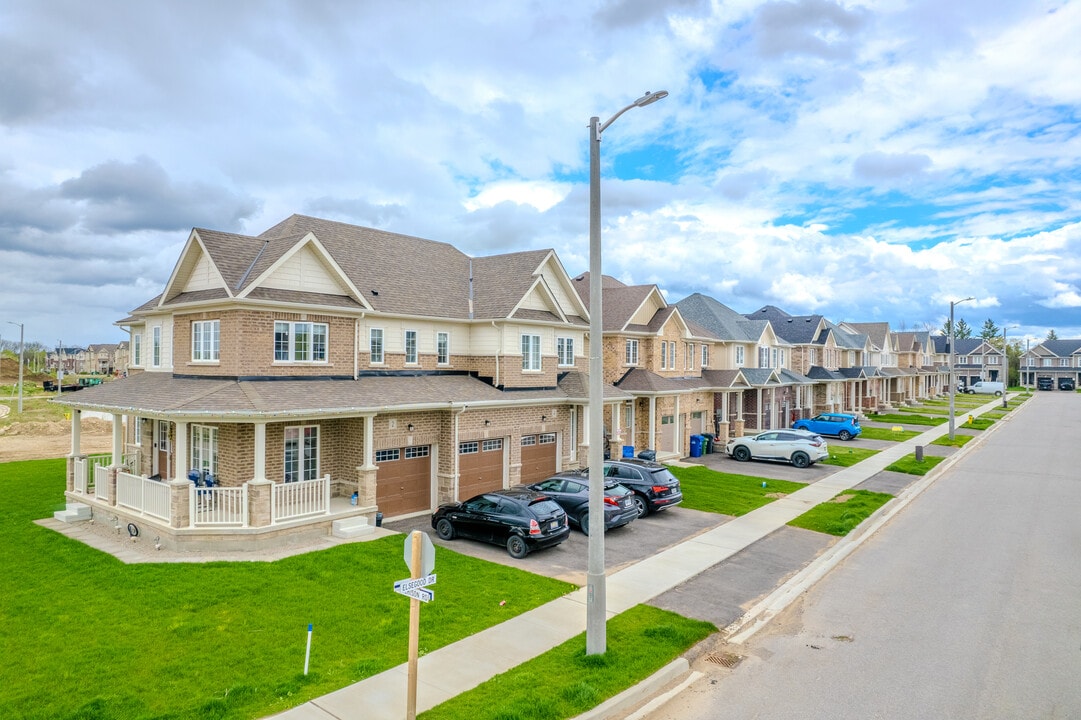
x: 986, y: 386
x: 1065, y: 383
x: 520, y: 519
x: 842, y: 425
x: 799, y: 447
x: 571, y: 491
x: 654, y: 486
x: 1045, y: 383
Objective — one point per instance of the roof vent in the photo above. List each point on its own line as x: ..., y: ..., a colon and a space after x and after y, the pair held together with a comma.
x: 375, y: 292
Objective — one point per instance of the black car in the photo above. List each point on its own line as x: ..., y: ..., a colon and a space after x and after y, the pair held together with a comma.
x: 1045, y: 383
x: 571, y: 491
x: 521, y: 519
x: 654, y: 486
x: 1065, y: 383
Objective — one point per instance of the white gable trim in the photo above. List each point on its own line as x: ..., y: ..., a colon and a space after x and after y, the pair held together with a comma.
x: 308, y: 243
x: 190, y: 257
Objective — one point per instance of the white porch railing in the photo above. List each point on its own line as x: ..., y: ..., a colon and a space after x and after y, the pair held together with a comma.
x: 150, y: 497
x: 299, y: 499
x: 101, y: 482
x: 220, y: 506
x: 80, y: 472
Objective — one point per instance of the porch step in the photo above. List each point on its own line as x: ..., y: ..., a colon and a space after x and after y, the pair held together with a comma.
x: 352, y: 527
x: 74, y: 512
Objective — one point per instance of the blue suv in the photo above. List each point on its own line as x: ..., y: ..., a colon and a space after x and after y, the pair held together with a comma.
x: 838, y: 425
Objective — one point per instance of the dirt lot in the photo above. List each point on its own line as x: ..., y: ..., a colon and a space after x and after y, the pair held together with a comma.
x: 40, y: 440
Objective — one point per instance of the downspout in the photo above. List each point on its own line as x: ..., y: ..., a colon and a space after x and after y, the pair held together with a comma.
x: 457, y: 415
x: 499, y: 348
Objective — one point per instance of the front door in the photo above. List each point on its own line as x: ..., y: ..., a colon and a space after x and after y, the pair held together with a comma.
x: 163, y: 464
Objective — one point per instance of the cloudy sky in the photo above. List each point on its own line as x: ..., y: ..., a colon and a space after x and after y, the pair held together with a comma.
x: 868, y: 161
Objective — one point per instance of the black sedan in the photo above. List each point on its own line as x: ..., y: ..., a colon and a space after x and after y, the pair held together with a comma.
x: 571, y: 491
x: 521, y: 519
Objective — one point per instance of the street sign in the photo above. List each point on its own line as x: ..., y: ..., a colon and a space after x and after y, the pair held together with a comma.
x: 416, y: 593
x: 411, y: 583
x: 427, y: 553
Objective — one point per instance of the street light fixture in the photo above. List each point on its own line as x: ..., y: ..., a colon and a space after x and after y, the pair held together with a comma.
x: 596, y: 604
x: 11, y: 322
x: 953, y: 382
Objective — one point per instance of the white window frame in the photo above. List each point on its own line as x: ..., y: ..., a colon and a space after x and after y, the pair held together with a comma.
x: 672, y: 355
x: 705, y: 356
x: 411, y: 347
x: 630, y: 352
x: 740, y: 355
x: 314, y: 352
x: 155, y: 357
x: 303, y: 442
x: 565, y: 351
x: 531, y: 353
x: 689, y: 356
x: 442, y: 348
x: 137, y: 349
x: 205, y: 340
x: 376, y: 347
x: 204, y: 449
x: 664, y: 354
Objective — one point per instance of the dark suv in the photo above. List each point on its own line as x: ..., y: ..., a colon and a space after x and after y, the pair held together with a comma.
x: 1065, y: 383
x: 1045, y: 383
x: 655, y: 487
x: 571, y: 490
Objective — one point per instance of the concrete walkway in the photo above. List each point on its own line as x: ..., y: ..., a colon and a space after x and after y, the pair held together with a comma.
x: 461, y: 666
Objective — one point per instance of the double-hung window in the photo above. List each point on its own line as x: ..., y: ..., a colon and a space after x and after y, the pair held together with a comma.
x: 672, y: 355
x: 705, y: 356
x: 664, y: 354
x: 442, y: 348
x: 410, y: 347
x: 300, y: 342
x: 375, y: 346
x: 531, y: 352
x: 689, y: 356
x: 156, y: 347
x: 631, y: 352
x: 301, y: 453
x: 137, y: 349
x: 739, y: 356
x: 205, y: 340
x: 565, y: 351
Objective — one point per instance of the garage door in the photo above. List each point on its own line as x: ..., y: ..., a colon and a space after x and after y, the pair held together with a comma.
x: 403, y: 482
x: 480, y: 467
x: 538, y: 457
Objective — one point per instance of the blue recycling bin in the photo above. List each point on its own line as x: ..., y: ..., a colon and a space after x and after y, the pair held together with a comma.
x: 696, y: 446
x: 628, y: 451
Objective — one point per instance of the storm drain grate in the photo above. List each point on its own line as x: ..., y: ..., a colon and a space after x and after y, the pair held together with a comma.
x: 728, y: 660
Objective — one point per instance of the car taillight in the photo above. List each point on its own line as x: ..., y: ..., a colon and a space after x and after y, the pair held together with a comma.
x: 611, y: 501
x: 816, y: 443
x: 659, y: 488
x: 534, y: 528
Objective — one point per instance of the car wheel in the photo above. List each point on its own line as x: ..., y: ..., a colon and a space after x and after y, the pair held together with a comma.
x: 641, y: 505
x: 844, y: 435
x: 583, y: 523
x: 516, y: 547
x: 997, y: 394
x: 741, y: 453
x: 444, y: 529
x: 801, y: 460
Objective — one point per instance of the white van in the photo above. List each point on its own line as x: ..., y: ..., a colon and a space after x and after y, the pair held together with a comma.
x: 984, y: 386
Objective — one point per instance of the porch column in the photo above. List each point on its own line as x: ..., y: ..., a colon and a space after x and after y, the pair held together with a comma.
x: 617, y: 426
x: 180, y: 451
x: 739, y: 427
x: 76, y: 431
x: 180, y: 503
x: 118, y: 440
x: 366, y: 483
x: 260, y: 451
x: 758, y: 409
x: 652, y: 444
x: 259, y: 511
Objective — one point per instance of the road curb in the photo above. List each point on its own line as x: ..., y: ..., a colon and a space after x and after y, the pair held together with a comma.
x: 634, y: 695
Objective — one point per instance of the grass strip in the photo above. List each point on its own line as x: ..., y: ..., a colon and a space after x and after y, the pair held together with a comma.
x: 728, y: 494
x: 843, y: 513
x: 88, y: 637
x: 909, y: 464
x: 565, y: 682
x: 958, y: 440
x: 901, y: 419
x: 875, y: 433
x: 843, y: 456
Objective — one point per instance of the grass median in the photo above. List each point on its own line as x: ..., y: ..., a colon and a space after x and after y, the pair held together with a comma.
x: 843, y: 513
x: 88, y: 637
x: 728, y: 494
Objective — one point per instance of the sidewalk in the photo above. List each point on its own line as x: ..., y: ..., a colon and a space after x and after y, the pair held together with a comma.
x: 459, y: 667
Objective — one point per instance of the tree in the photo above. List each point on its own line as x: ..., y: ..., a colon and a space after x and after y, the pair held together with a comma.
x: 990, y: 331
x: 962, y: 331
x: 1051, y: 334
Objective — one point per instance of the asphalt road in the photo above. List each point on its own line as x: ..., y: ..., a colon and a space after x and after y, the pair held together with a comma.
x: 965, y: 605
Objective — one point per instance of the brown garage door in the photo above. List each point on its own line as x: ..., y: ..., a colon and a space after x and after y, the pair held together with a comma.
x: 480, y: 467
x: 538, y: 457
x: 403, y: 483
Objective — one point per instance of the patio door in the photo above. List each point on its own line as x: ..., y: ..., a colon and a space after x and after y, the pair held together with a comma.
x: 163, y: 450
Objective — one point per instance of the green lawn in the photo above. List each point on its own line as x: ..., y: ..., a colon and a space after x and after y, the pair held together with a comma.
x: 909, y: 419
x: 843, y: 455
x: 728, y: 494
x: 909, y: 464
x: 86, y: 637
x: 840, y: 515
x: 874, y: 433
x: 566, y: 682
x: 958, y: 440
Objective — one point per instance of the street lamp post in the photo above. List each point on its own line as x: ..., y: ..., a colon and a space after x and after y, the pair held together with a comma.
x: 953, y: 382
x: 596, y: 605
x: 10, y: 322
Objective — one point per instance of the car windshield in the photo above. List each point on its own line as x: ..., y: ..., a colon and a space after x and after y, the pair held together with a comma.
x: 616, y: 491
x: 663, y: 476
